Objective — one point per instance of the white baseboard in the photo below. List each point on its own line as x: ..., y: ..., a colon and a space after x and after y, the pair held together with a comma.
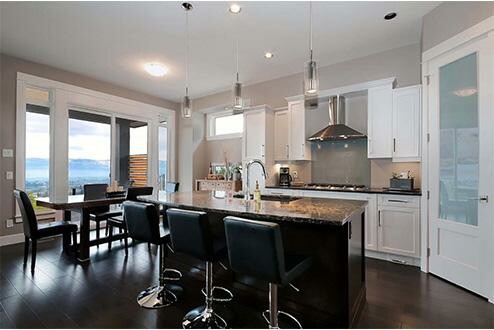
x: 404, y: 260
x: 11, y: 239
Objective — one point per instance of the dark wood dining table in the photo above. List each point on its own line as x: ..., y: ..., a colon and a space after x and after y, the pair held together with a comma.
x: 78, y: 204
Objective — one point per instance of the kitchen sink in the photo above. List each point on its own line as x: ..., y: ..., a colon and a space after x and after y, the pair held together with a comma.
x: 275, y: 198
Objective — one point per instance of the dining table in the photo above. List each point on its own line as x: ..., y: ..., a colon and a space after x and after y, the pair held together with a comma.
x: 79, y: 204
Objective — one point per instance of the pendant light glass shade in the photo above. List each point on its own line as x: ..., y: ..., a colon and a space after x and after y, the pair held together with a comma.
x: 238, y: 103
x: 311, y: 80
x: 186, y: 107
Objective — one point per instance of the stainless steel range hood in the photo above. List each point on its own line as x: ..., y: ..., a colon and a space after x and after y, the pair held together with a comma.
x: 336, y: 130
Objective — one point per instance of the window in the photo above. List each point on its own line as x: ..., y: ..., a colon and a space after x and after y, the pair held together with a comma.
x: 163, y: 155
x: 89, y: 149
x: 225, y: 125
x: 132, y: 153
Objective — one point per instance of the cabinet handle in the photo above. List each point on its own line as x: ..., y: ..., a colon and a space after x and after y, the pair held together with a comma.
x: 303, y: 149
x: 394, y: 145
x: 379, y: 218
x: 262, y: 150
x: 369, y: 145
x: 287, y: 151
x: 397, y: 201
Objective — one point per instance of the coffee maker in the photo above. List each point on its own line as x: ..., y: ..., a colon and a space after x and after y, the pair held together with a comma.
x: 285, y: 178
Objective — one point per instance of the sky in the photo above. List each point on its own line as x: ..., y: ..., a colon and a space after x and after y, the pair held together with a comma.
x: 87, y: 140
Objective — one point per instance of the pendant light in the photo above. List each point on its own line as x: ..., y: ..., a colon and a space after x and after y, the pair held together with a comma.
x: 311, y: 80
x: 238, y: 103
x: 187, y: 103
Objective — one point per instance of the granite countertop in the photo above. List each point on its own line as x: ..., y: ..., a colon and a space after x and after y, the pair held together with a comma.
x: 415, y: 192
x: 321, y: 211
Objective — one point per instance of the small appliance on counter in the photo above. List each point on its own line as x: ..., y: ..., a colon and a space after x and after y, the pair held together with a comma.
x: 285, y: 178
x: 401, y: 181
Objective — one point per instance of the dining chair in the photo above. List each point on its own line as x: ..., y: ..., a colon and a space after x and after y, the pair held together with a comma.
x: 101, y: 213
x: 33, y: 231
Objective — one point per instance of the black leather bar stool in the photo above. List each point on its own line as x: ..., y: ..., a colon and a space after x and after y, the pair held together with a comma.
x: 191, y: 235
x: 119, y: 221
x: 255, y: 248
x: 143, y: 224
x: 34, y: 231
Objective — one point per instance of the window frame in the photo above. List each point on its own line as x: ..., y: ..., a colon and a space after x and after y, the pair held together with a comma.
x: 211, y: 126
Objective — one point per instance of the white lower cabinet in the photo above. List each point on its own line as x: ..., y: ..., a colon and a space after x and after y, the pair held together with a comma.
x: 398, y: 226
x: 391, y: 222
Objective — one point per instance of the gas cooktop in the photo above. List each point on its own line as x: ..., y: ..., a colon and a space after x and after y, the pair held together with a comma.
x: 336, y: 186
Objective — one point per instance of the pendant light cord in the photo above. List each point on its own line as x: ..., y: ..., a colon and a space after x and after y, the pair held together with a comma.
x: 187, y: 54
x: 310, y: 28
x: 236, y: 58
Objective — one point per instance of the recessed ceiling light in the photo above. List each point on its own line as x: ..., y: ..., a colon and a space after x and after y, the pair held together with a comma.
x: 390, y: 16
x: 268, y: 55
x: 235, y: 8
x: 155, y: 69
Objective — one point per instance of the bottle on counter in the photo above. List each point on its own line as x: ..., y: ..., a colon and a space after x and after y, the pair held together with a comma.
x: 257, y: 193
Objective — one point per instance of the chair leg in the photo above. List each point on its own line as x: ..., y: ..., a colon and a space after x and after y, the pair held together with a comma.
x: 106, y: 228
x: 125, y: 242
x: 33, y: 254
x: 26, y: 249
x: 97, y: 230
x: 66, y: 241
x: 110, y: 236
x: 74, y: 242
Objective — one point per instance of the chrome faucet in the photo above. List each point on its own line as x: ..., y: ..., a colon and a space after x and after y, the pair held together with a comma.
x: 247, y: 182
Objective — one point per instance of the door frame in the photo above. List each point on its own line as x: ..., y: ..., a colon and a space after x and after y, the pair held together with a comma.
x: 484, y: 29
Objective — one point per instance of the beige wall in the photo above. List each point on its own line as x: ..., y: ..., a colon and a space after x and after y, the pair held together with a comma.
x: 451, y: 18
x: 9, y: 66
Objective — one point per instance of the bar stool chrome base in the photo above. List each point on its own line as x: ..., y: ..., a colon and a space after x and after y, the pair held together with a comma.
x: 156, y: 297
x: 287, y: 321
x: 203, y: 318
x: 225, y: 295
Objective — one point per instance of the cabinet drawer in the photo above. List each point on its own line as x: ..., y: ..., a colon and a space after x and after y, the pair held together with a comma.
x: 399, y: 200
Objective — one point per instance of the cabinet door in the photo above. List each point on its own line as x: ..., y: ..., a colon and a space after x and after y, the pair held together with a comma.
x: 254, y: 135
x: 299, y: 149
x: 399, y: 230
x: 281, y: 135
x: 380, y: 120
x: 406, y: 124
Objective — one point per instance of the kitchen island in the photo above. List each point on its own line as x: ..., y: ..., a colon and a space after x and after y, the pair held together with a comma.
x: 330, y: 230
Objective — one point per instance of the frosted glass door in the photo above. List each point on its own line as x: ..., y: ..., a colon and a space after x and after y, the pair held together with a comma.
x: 460, y: 162
x: 459, y: 141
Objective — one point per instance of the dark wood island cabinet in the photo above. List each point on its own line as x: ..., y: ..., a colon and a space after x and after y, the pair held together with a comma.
x: 332, y: 291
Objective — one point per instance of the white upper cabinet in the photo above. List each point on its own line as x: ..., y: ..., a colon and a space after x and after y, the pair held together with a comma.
x: 406, y: 124
x: 290, y: 142
x: 281, y: 135
x: 254, y: 141
x: 299, y: 148
x: 380, y: 122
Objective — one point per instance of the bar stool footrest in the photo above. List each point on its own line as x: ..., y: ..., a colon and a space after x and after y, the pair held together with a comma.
x: 289, y: 321
x: 228, y: 295
x: 171, y: 274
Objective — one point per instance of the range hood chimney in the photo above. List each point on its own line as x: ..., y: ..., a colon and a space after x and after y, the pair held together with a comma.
x: 336, y: 130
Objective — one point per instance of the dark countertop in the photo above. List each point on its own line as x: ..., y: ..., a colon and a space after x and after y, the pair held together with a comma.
x: 415, y: 192
x: 321, y: 211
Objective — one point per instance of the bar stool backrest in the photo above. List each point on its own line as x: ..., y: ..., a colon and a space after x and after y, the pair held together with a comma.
x: 143, y: 223
x: 190, y: 233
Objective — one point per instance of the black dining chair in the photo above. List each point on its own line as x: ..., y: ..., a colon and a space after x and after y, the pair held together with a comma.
x: 34, y: 231
x: 101, y: 213
x: 119, y: 221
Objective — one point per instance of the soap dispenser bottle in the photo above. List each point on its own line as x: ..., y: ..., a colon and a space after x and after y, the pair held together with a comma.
x: 257, y: 193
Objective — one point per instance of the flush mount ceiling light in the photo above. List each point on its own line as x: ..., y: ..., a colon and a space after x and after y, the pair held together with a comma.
x: 311, y: 80
x: 155, y: 69
x: 235, y: 8
x: 390, y: 16
x: 268, y: 55
x: 187, y: 103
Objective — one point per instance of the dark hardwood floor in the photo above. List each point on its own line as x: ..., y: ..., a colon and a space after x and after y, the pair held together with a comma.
x: 102, y: 294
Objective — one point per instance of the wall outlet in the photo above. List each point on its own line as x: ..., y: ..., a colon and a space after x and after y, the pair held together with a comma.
x: 9, y: 223
x: 9, y: 175
x: 8, y: 153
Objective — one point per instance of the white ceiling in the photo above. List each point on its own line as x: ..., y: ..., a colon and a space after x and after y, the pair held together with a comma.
x: 111, y: 41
